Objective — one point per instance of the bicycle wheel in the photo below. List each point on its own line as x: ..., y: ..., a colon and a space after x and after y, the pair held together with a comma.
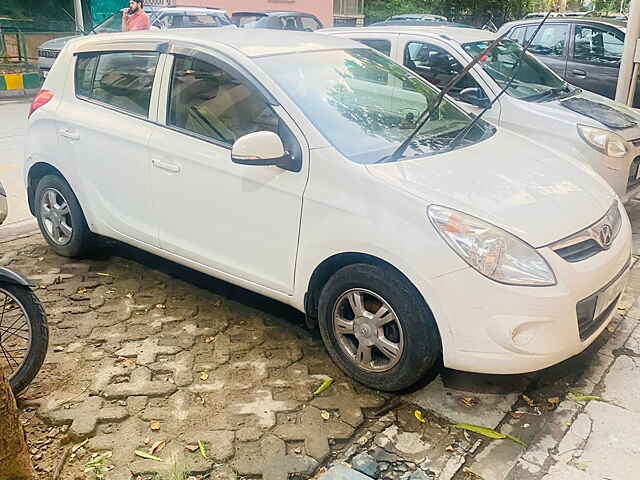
x: 24, y: 335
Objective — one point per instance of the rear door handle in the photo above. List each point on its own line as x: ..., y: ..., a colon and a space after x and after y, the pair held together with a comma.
x: 70, y: 134
x: 579, y: 73
x: 169, y: 167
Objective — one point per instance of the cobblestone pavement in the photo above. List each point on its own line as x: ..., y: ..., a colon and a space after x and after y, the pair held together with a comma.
x: 149, y: 356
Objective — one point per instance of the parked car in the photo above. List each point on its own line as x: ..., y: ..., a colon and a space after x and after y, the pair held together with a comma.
x: 584, y: 51
x: 418, y: 23
x: 160, y: 17
x: 271, y: 161
x: 279, y: 20
x: 539, y: 104
x: 418, y: 17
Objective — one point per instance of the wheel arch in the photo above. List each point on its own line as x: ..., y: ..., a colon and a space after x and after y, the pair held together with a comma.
x: 38, y: 171
x: 331, y: 265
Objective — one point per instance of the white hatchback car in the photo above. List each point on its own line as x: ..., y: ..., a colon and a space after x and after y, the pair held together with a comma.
x: 265, y: 159
x: 538, y: 104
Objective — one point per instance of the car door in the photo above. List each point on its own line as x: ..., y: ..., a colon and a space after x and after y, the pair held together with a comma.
x: 550, y: 45
x: 240, y: 220
x: 105, y: 127
x: 594, y: 60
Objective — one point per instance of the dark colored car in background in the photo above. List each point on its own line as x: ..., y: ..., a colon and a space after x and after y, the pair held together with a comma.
x: 585, y: 51
x: 278, y: 20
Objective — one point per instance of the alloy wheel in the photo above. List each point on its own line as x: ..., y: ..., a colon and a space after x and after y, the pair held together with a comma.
x: 368, y: 330
x: 56, y: 216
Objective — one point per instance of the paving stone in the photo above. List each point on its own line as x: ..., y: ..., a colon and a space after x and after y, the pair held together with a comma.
x: 562, y: 471
x: 350, y: 404
x: 407, y: 445
x: 342, y: 472
x: 135, y: 405
x: 365, y: 463
x: 268, y: 458
x: 181, y: 368
x: 248, y: 434
x: 618, y: 388
x: 119, y: 473
x: 128, y: 438
x: 315, y: 431
x: 139, y: 383
x: 446, y: 402
x: 85, y: 417
x: 265, y: 408
x: 175, y: 409
x: 176, y: 462
x: 108, y: 370
x: 145, y: 351
x: 219, y: 443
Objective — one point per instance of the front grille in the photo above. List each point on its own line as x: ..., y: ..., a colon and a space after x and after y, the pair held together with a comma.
x: 633, y: 179
x: 579, y: 251
x: 48, y: 53
x: 585, y: 309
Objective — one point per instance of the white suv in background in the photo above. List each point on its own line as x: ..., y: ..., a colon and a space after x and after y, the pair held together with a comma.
x: 270, y: 160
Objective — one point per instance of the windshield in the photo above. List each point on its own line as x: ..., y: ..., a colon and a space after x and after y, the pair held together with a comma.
x: 365, y: 104
x: 534, y: 81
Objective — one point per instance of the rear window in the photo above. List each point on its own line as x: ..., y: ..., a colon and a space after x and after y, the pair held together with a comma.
x: 381, y: 45
x: 120, y: 79
x: 243, y: 20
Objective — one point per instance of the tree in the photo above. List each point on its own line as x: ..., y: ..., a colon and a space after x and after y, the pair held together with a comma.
x: 15, y: 462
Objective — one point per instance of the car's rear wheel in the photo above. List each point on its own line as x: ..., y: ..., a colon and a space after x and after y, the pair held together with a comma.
x: 61, y: 219
x: 377, y: 327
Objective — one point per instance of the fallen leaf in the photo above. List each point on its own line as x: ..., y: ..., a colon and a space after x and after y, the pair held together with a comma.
x: 419, y: 416
x: 102, y: 274
x: 148, y: 456
x: 209, y: 339
x: 553, y: 400
x: 469, y: 401
x: 157, y: 446
x: 530, y: 402
x: 488, y: 432
x: 203, y: 448
x: 450, y: 448
x: 192, y: 448
x: 586, y: 398
x: 517, y: 414
x: 621, y: 307
x: 81, y: 290
x: 58, y: 349
x: 154, y: 425
x: 325, y: 415
x: 326, y: 384
x: 80, y: 445
x: 146, y: 440
x: 204, y: 376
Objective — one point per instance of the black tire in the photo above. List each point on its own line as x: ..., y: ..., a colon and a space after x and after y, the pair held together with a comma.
x: 82, y: 241
x: 36, y: 320
x: 422, y: 344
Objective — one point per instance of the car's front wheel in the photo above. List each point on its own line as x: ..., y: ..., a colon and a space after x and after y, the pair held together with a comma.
x: 377, y: 327
x: 61, y: 219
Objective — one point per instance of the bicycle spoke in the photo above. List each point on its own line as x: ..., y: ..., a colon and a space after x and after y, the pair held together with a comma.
x: 9, y: 358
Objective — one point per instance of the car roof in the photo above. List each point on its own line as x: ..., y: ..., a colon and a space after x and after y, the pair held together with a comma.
x: 606, y: 21
x: 274, y: 13
x: 460, y: 34
x: 249, y: 42
x: 418, y: 23
x: 202, y: 10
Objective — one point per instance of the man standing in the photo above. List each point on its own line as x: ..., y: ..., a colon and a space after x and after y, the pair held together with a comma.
x: 134, y: 17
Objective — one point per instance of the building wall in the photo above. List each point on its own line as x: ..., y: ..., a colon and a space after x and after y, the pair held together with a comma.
x: 323, y: 9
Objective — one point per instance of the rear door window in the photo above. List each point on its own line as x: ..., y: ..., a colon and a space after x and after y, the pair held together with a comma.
x: 310, y: 24
x: 517, y: 34
x: 381, y: 45
x: 120, y: 79
x: 598, y: 45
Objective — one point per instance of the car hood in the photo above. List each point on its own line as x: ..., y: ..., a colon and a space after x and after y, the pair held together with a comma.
x: 521, y: 186
x: 57, y: 43
x: 598, y: 111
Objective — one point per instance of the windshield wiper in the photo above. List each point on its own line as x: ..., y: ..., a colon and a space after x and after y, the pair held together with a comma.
x: 516, y: 70
x: 426, y: 114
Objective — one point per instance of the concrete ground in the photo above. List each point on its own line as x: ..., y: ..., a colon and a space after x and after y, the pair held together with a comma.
x: 149, y: 356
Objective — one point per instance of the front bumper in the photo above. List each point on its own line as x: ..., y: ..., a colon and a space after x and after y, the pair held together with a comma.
x: 495, y: 328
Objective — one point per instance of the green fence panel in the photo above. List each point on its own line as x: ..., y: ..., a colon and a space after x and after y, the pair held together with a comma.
x: 32, y: 80
x: 102, y: 9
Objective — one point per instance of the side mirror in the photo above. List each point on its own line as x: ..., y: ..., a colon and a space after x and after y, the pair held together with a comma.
x: 474, y: 96
x: 4, y: 209
x: 261, y: 149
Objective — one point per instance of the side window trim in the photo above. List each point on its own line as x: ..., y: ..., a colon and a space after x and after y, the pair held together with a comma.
x: 109, y: 106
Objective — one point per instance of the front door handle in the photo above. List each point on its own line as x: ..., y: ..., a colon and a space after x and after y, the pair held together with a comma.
x: 169, y: 167
x: 70, y: 134
x: 579, y: 73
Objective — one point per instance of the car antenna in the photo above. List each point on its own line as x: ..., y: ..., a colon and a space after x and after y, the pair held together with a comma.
x: 426, y: 114
x: 516, y: 70
x: 78, y: 29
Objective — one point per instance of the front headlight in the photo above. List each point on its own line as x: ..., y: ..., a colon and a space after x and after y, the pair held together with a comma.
x: 490, y: 250
x: 604, y: 141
